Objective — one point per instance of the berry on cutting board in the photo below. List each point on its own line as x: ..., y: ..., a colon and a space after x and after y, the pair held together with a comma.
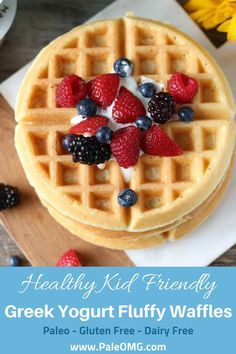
x: 161, y: 107
x: 182, y: 87
x: 104, y: 134
x: 143, y: 122
x: 157, y: 143
x: 70, y: 91
x: 69, y: 259
x: 127, y: 107
x: 88, y: 150
x: 103, y: 89
x: 89, y: 125
x: 123, y: 67
x: 125, y: 146
x: 127, y: 198
x: 86, y: 107
x: 148, y: 89
x: 186, y: 114
x: 9, y: 197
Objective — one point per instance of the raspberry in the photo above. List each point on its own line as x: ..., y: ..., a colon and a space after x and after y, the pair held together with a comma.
x: 70, y: 91
x: 127, y: 107
x: 183, y: 88
x: 89, y: 125
x: 161, y: 107
x: 156, y: 142
x: 125, y: 146
x: 103, y: 89
x: 69, y: 259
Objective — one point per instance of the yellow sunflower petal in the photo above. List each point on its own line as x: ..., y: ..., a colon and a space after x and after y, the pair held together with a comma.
x: 224, y: 11
x: 193, y: 5
x: 213, y: 13
x: 201, y: 15
x: 224, y: 27
x: 204, y: 11
x: 209, y: 22
x: 232, y: 30
x: 205, y: 18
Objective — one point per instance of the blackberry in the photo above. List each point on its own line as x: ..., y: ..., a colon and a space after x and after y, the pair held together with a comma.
x: 89, y: 151
x: 9, y: 197
x: 69, y: 142
x: 161, y: 107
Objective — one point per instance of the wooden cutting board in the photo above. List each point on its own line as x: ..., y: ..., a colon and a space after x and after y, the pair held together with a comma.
x: 37, y: 234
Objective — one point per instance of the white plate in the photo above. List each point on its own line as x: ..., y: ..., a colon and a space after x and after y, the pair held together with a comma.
x: 8, y: 12
x: 217, y: 234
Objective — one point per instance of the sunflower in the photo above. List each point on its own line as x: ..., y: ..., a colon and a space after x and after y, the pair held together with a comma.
x: 215, y: 13
x: 229, y: 27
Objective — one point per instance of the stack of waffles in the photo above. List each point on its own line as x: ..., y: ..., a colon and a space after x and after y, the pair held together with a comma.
x: 175, y: 194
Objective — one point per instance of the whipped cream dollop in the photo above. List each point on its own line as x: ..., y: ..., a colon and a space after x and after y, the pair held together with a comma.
x: 132, y: 85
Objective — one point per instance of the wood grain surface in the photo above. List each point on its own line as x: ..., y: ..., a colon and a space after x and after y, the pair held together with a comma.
x: 36, y: 24
x: 30, y: 225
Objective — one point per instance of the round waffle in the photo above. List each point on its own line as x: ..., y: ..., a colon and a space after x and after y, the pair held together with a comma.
x: 129, y: 240
x: 168, y: 189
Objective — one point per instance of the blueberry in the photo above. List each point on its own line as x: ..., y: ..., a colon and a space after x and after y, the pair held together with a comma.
x: 67, y: 140
x: 127, y: 198
x: 104, y: 134
x: 147, y: 89
x: 123, y: 67
x: 186, y: 114
x: 143, y: 122
x: 15, y: 261
x: 87, y: 107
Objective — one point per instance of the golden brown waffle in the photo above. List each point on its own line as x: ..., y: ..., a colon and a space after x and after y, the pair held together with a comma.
x: 168, y: 188
x: 129, y: 240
